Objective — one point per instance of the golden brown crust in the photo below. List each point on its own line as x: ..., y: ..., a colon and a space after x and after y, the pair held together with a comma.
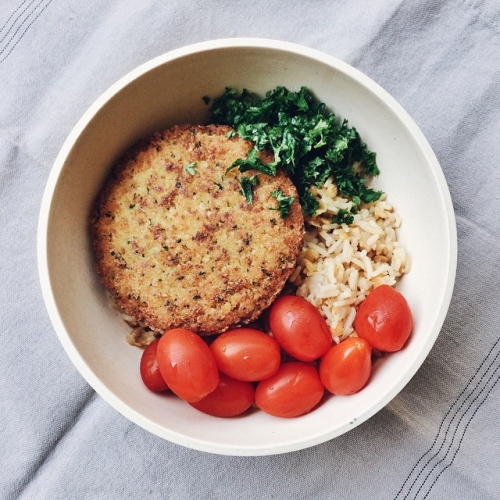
x: 181, y: 249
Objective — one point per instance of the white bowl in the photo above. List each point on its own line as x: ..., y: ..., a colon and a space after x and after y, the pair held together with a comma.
x: 168, y: 90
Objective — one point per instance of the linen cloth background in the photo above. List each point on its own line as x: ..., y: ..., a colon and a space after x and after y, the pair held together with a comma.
x: 439, y: 438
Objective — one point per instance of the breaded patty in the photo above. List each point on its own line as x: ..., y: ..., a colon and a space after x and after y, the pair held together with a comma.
x: 178, y: 245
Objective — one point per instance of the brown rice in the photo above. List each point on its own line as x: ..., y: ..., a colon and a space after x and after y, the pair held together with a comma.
x: 340, y: 264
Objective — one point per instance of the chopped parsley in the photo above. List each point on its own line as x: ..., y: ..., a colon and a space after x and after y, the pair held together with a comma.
x: 343, y: 216
x: 247, y: 183
x: 306, y: 139
x: 191, y: 168
x: 284, y: 202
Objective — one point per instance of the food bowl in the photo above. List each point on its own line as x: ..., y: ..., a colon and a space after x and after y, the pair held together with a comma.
x: 168, y: 90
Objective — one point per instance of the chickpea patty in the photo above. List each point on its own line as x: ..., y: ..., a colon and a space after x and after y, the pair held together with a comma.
x: 176, y: 242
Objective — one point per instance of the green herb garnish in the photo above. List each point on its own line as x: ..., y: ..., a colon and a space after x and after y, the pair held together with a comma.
x: 343, y: 216
x: 306, y: 139
x: 191, y: 168
x: 253, y: 162
x: 247, y: 183
x: 284, y: 202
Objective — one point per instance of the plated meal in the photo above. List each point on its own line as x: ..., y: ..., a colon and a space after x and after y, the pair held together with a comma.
x: 323, y: 240
x: 251, y: 258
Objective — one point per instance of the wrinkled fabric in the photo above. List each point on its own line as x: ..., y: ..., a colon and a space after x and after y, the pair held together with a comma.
x: 439, y: 438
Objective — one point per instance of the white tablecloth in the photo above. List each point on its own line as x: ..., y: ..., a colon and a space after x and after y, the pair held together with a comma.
x: 439, y: 438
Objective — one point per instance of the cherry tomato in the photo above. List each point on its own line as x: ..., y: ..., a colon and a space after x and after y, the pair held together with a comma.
x: 294, y: 390
x: 346, y: 367
x: 299, y: 328
x: 150, y: 373
x: 384, y: 319
x: 231, y: 397
x: 246, y: 354
x: 187, y: 365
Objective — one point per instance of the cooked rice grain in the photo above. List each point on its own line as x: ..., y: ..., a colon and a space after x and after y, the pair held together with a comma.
x: 340, y: 264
